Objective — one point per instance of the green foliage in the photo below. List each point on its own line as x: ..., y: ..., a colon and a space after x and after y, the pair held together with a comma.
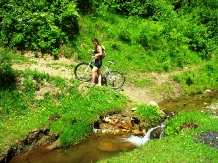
x: 170, y: 38
x: 168, y: 149
x: 107, y: 96
x: 13, y: 101
x: 150, y: 113
x: 204, y: 15
x: 59, y: 82
x: 147, y: 45
x: 144, y: 9
x: 38, y: 25
x: 40, y: 77
x: 88, y: 6
x: 76, y: 132
x: 204, y: 11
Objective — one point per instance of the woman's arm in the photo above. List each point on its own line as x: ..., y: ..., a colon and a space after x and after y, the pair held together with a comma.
x: 99, y: 54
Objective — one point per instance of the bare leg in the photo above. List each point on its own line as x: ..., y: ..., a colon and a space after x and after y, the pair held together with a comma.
x: 94, y: 70
x: 99, y: 77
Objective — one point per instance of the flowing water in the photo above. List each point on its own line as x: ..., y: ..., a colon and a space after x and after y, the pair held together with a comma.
x: 92, y: 149
x: 140, y: 140
x: 97, y: 147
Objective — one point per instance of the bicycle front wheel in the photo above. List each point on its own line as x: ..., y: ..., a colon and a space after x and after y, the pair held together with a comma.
x: 83, y: 71
x: 115, y: 79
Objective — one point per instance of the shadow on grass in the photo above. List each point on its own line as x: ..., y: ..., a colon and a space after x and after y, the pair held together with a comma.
x: 7, y: 80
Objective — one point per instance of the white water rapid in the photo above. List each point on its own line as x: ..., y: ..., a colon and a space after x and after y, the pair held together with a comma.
x: 141, y: 140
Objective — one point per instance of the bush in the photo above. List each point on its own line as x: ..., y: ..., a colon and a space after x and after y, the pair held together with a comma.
x: 38, y: 25
x: 88, y: 6
x: 151, y: 113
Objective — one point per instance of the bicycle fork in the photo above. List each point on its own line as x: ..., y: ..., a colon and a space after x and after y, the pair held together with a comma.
x: 89, y: 65
x: 111, y: 78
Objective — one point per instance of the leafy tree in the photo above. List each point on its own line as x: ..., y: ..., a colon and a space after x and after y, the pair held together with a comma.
x: 38, y: 25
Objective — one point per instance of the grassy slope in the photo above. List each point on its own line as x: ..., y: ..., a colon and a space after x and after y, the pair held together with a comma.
x: 175, y: 148
x: 62, y: 106
x: 121, y: 37
x: 127, y: 53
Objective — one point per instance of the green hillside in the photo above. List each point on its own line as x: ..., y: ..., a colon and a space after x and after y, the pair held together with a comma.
x: 144, y: 36
x: 162, y: 36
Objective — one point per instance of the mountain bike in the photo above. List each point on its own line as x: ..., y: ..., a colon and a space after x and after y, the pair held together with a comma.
x: 112, y: 78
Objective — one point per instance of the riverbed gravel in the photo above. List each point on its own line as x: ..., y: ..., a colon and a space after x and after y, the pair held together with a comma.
x: 209, y: 138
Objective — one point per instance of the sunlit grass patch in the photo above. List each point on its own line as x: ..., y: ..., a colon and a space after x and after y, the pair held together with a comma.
x: 199, y: 79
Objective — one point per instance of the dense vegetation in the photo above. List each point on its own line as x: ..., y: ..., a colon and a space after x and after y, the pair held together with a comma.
x: 151, y: 35
x: 167, y: 33
x: 38, y: 25
x: 148, y: 35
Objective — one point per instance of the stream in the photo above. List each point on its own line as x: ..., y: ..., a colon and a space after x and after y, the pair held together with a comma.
x: 90, y: 150
x: 97, y: 147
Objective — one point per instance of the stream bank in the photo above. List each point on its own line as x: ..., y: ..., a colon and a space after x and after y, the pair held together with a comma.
x: 203, y: 102
x: 35, y: 138
x: 111, y: 126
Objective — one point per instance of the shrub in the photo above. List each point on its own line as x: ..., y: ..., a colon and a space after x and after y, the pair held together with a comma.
x: 38, y: 25
x: 150, y: 113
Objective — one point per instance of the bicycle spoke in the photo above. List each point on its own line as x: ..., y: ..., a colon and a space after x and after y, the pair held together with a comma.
x: 83, y: 72
x: 115, y: 79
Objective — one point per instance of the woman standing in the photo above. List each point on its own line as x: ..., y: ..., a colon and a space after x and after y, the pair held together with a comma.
x: 97, y: 55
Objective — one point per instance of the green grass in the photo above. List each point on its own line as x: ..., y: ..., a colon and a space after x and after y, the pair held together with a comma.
x: 197, y: 80
x: 181, y: 148
x: 141, y: 45
x: 153, y: 114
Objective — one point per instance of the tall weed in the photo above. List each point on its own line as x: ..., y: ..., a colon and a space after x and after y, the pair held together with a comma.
x: 152, y: 114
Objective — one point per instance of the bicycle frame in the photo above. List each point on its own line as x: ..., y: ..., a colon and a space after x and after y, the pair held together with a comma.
x: 112, y: 78
x: 106, y: 67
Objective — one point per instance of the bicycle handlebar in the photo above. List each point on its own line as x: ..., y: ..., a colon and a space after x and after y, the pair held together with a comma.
x: 111, y: 62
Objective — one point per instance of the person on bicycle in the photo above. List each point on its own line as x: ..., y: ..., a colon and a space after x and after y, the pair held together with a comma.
x: 97, y: 55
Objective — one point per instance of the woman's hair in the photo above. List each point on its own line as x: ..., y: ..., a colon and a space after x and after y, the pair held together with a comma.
x: 95, y: 40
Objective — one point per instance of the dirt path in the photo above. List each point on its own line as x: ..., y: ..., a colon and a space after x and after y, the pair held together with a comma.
x: 162, y: 86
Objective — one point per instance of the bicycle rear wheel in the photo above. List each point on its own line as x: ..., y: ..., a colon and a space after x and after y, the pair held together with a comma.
x: 83, y: 71
x: 115, y: 79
